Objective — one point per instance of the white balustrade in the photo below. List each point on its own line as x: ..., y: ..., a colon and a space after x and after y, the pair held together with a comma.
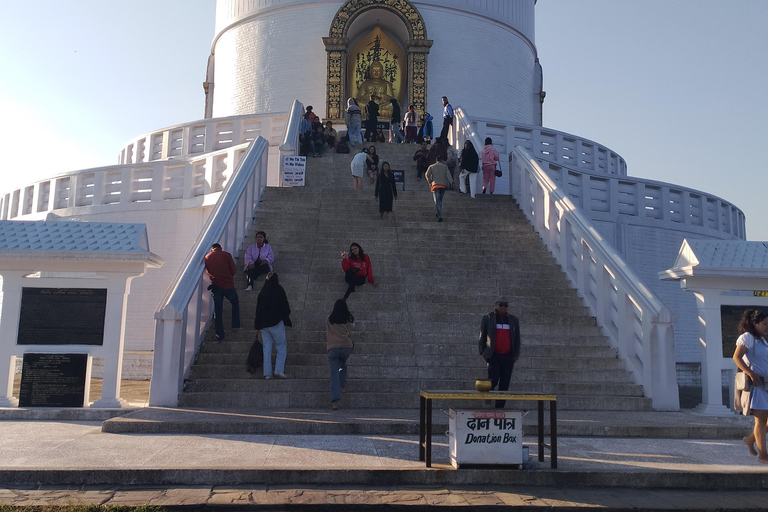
x: 126, y: 186
x: 204, y: 136
x: 184, y: 312
x: 635, y: 321
x: 605, y: 198
x: 551, y: 145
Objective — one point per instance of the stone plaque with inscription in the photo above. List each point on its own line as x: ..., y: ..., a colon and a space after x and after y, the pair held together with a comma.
x: 53, y: 380
x: 62, y: 316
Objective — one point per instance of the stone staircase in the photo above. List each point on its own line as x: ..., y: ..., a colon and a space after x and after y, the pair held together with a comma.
x: 418, y: 329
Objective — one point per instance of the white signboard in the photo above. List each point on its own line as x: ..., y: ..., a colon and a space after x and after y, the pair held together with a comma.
x: 294, y: 171
x: 485, y: 437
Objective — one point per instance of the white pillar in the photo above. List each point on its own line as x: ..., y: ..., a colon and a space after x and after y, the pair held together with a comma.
x: 711, y: 340
x: 10, y: 287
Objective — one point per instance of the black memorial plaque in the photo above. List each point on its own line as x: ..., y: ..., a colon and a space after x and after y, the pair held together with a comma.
x: 53, y: 380
x: 62, y: 316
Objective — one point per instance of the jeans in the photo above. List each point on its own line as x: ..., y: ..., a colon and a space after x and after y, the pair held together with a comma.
x: 315, y: 151
x: 337, y: 360
x: 218, y: 306
x: 255, y: 271
x: 447, y: 124
x: 274, y: 335
x: 397, y: 135
x: 438, y: 194
x: 500, y: 368
x: 353, y: 281
x: 471, y: 177
x: 410, y: 134
x: 353, y: 130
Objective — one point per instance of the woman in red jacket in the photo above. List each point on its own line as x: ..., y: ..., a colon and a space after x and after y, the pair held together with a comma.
x: 357, y: 268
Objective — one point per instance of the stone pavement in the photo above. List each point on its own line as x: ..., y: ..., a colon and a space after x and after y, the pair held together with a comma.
x: 485, y: 498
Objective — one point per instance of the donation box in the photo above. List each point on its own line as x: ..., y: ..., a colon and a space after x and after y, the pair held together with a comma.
x: 485, y: 437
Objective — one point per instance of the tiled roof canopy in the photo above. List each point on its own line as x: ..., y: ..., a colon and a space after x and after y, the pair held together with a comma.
x: 91, y: 237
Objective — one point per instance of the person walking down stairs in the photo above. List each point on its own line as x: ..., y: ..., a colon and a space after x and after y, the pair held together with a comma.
x: 357, y: 268
x: 272, y: 317
x: 338, y: 333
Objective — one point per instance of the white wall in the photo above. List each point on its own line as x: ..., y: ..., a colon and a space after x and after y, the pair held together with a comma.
x: 476, y: 60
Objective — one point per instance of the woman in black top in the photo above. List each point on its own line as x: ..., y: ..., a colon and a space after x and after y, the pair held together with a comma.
x: 468, y: 163
x: 272, y: 316
x: 372, y: 109
x: 372, y: 163
x: 395, y: 134
x: 385, y: 191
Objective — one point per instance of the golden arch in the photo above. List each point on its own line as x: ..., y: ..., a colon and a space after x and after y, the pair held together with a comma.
x: 337, y: 47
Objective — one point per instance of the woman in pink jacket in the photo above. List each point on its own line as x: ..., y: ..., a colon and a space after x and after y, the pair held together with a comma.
x: 258, y: 259
x: 489, y: 157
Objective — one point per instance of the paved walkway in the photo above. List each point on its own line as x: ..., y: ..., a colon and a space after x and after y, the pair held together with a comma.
x: 274, y: 498
x: 298, y: 472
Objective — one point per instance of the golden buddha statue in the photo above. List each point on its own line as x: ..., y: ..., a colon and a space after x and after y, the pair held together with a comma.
x: 381, y: 90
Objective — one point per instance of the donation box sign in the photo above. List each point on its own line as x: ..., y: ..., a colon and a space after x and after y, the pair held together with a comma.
x: 485, y: 437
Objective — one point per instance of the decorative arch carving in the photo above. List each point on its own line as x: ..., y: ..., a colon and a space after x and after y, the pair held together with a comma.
x: 337, y: 46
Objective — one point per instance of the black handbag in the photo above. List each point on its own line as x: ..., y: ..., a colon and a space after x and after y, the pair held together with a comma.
x: 497, y: 172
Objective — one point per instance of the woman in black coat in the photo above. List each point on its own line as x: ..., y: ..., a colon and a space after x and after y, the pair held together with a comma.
x: 468, y: 163
x: 272, y: 317
x: 385, y: 192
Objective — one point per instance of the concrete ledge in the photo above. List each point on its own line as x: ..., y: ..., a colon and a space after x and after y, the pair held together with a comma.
x: 51, y: 414
x: 445, y: 476
x: 156, y: 420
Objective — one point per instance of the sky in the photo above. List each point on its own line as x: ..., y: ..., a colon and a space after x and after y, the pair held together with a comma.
x: 676, y: 87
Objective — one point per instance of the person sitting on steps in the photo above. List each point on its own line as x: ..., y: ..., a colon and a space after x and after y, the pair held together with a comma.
x: 258, y: 259
x: 357, y: 268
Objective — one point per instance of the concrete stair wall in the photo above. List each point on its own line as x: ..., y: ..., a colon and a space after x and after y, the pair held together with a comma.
x: 419, y: 328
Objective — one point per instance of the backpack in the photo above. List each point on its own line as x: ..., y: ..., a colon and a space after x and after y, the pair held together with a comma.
x: 343, y: 149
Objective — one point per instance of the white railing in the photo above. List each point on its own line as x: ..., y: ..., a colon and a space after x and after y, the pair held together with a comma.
x: 637, y: 324
x: 185, y: 311
x: 204, y: 136
x: 289, y: 143
x: 604, y: 197
x: 126, y: 186
x: 552, y: 145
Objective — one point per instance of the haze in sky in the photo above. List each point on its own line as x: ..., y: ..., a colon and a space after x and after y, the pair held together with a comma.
x: 676, y: 87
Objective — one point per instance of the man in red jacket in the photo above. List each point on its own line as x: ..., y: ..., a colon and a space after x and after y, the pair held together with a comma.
x: 220, y: 268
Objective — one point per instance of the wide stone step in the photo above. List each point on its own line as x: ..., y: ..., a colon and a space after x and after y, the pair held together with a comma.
x: 256, y: 384
x: 251, y: 401
x: 467, y: 374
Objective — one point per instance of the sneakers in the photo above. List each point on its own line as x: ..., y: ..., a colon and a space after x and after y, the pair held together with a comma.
x: 267, y: 377
x: 280, y: 376
x: 249, y: 288
x: 439, y: 219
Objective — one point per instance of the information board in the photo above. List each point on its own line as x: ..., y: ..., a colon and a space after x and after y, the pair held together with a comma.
x: 62, y: 316
x: 294, y: 171
x: 53, y: 380
x: 399, y: 177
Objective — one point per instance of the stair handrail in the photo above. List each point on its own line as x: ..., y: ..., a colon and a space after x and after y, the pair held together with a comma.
x: 289, y: 146
x: 635, y: 321
x: 184, y: 312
